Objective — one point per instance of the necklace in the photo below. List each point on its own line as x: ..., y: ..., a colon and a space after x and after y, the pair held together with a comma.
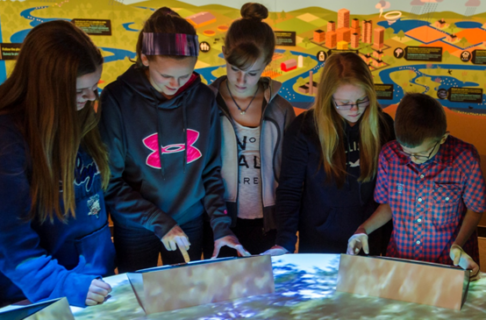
x: 247, y: 107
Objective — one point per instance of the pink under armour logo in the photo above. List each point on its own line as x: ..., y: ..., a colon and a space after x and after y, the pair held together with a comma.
x: 153, y: 159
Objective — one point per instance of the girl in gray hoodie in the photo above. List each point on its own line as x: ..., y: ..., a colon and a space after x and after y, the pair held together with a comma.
x: 253, y: 119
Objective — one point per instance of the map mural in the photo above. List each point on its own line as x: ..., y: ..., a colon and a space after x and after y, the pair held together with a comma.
x: 436, y: 47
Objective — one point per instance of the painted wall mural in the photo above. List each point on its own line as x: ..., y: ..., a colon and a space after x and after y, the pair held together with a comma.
x: 436, y: 47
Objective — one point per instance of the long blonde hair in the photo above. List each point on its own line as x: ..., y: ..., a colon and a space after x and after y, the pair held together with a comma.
x: 339, y: 69
x: 41, y: 91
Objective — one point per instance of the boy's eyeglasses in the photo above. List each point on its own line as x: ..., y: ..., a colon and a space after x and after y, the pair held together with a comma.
x: 418, y: 156
x: 348, y: 106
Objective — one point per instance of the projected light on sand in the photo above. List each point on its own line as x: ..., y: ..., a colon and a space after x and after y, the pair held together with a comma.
x: 305, y: 288
x: 202, y: 282
x: 405, y: 280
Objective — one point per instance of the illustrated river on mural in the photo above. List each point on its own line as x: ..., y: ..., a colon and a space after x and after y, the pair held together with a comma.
x: 420, y: 79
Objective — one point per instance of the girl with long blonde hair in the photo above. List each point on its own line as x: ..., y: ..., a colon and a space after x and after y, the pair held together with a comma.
x: 330, y: 159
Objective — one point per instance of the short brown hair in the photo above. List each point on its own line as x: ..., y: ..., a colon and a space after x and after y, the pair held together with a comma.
x: 163, y: 20
x: 249, y: 37
x: 419, y: 117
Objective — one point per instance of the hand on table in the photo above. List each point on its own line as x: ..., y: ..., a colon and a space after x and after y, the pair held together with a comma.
x: 358, y: 241
x: 462, y: 259
x: 232, y: 242
x: 276, y: 250
x: 97, y: 292
x: 176, y: 237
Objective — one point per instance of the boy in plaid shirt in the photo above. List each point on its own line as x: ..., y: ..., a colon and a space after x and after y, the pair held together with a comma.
x: 430, y: 184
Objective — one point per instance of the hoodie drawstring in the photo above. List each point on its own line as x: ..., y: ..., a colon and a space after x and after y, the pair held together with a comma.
x: 184, y: 131
x: 159, y: 146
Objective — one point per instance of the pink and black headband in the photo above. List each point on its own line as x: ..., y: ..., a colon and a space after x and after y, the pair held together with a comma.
x: 170, y: 44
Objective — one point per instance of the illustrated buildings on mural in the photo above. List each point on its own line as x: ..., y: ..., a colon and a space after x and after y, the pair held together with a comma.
x: 380, y: 38
x: 331, y: 26
x: 354, y: 35
x: 310, y: 87
x: 319, y: 36
x: 440, y: 23
x: 348, y: 34
x: 367, y: 27
x: 288, y: 65
x: 355, y: 40
x: 355, y: 28
x: 379, y: 35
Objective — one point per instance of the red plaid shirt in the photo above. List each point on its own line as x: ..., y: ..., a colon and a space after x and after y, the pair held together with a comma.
x: 429, y: 201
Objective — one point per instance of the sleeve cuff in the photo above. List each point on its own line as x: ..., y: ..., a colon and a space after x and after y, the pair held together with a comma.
x: 288, y: 244
x: 221, y: 230
x: 79, y: 290
x: 161, y: 230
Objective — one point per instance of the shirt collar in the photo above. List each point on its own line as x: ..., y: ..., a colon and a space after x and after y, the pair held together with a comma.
x: 442, y: 156
x: 445, y: 155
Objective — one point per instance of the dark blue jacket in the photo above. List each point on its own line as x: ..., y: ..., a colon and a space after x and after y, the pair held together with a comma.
x: 49, y: 260
x: 325, y: 215
x: 164, y: 155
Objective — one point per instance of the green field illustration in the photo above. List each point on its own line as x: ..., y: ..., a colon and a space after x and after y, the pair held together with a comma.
x: 384, y: 40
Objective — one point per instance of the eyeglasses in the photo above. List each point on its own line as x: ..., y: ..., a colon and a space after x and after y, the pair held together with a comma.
x: 418, y: 156
x: 348, y: 106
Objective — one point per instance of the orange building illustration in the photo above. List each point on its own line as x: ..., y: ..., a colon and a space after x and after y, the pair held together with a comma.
x: 355, y: 40
x: 319, y: 36
x: 331, y: 26
x: 343, y: 34
x: 367, y: 29
x: 343, y: 18
x: 379, y: 35
x: 331, y: 39
x: 355, y: 28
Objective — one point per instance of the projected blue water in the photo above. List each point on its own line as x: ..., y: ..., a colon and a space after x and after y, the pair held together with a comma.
x: 304, y: 289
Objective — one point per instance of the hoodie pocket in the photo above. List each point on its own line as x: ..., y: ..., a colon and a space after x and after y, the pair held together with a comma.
x: 98, y: 251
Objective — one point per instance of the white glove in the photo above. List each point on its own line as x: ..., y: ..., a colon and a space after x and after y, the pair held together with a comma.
x: 357, y: 242
x: 275, y: 251
x: 462, y: 259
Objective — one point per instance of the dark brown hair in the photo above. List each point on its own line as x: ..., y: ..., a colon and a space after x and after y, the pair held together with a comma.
x: 249, y: 38
x: 163, y: 20
x: 42, y: 91
x: 419, y: 117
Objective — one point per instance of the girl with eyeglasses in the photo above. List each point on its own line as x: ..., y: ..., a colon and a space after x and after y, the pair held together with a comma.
x: 329, y: 162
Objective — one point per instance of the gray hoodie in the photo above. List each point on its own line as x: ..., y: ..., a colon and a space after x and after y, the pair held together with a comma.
x: 278, y: 113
